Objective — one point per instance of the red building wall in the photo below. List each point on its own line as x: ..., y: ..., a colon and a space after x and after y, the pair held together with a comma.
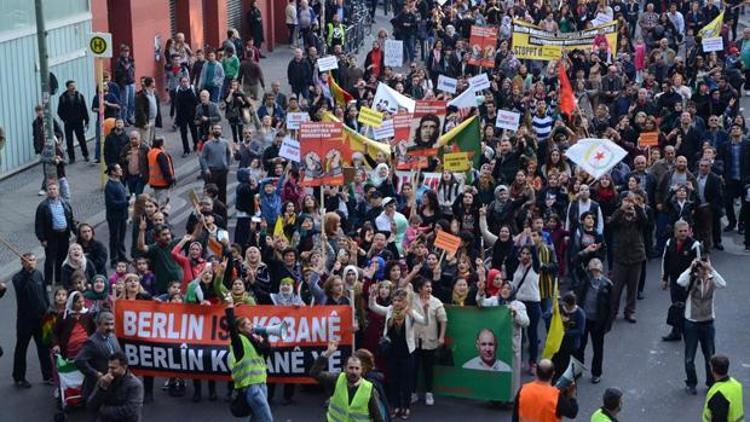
x: 190, y: 22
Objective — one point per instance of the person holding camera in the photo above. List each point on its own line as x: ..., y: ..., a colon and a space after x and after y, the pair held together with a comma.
x: 627, y: 222
x: 679, y: 252
x: 701, y: 281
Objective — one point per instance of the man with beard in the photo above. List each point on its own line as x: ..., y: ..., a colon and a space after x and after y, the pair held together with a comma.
x: 679, y: 252
x: 672, y: 179
x: 581, y: 205
x: 118, y: 395
x: 114, y: 143
x: 354, y: 398
x: 93, y: 358
x: 627, y: 222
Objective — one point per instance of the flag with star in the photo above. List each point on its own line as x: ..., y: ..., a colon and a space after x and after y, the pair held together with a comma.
x: 596, y: 156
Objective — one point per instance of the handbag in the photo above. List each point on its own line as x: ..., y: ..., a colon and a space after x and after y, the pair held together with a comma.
x: 239, y: 405
x: 676, y: 315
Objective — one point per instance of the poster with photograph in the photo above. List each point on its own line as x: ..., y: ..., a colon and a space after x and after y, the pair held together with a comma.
x: 426, y: 126
x: 483, y: 41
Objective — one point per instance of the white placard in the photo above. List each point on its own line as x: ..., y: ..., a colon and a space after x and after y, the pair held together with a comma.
x: 394, y: 53
x: 601, y: 19
x: 294, y: 119
x: 508, y: 120
x: 328, y: 63
x: 384, y: 131
x: 713, y: 44
x: 447, y: 84
x: 289, y: 149
x: 479, y: 82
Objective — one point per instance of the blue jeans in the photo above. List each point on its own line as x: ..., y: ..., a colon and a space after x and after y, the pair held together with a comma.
x: 213, y: 93
x: 534, y: 311
x: 703, y: 333
x: 257, y: 398
x: 662, y: 221
x: 127, y: 109
x: 409, y: 48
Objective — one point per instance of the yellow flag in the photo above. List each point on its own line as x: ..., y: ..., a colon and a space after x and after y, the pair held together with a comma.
x: 556, y: 329
x: 713, y: 29
x: 358, y: 142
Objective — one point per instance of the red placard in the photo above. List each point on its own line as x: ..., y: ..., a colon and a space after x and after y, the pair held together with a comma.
x: 323, y: 153
x: 483, y: 42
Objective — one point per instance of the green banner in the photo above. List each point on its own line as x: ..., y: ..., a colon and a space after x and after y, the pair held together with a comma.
x: 479, y: 364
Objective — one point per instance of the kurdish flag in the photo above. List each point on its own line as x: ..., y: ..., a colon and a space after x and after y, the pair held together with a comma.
x: 340, y: 96
x: 556, y: 330
x: 358, y: 142
x: 465, y: 138
x: 713, y: 28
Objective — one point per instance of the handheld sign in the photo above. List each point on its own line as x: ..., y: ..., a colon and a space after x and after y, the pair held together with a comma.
x: 648, y: 139
x: 370, y: 117
x: 447, y: 242
x: 327, y: 63
x: 508, y: 120
x: 294, y: 119
x: 456, y: 162
x: 447, y: 84
x: 289, y: 149
x: 394, y: 53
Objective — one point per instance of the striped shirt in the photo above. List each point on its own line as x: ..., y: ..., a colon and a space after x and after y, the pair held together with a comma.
x: 58, y: 215
x: 542, y: 126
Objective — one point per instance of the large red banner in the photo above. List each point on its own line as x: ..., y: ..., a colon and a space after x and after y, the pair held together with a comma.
x: 192, y: 341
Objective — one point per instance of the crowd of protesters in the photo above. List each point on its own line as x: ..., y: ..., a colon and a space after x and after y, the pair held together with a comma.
x: 527, y: 217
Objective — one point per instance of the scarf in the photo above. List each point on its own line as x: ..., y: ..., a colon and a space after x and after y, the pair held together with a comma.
x: 397, y: 317
x: 490, y: 289
x: 78, y: 265
x: 498, y: 205
x: 92, y: 295
x: 458, y: 299
x: 69, y: 305
x: 375, y: 177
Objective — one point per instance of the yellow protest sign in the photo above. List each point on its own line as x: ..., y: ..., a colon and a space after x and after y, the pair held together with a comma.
x: 456, y: 162
x: 533, y: 42
x: 370, y: 117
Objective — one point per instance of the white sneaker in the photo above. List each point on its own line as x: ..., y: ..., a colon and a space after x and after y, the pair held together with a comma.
x: 414, y: 398
x: 428, y: 399
x: 41, y: 193
x: 747, y: 93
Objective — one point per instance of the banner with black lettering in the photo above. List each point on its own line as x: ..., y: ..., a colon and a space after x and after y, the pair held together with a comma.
x: 192, y: 341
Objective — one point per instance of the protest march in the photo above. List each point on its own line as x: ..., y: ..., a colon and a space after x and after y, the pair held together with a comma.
x: 461, y: 212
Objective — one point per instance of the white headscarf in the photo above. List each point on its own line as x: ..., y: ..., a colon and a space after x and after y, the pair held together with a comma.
x: 375, y: 177
x: 70, y: 302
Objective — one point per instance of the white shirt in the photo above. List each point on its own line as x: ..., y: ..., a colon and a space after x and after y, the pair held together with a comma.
x: 478, y: 364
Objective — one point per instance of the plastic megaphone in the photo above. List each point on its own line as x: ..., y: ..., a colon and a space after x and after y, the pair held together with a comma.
x: 573, y: 372
x: 278, y: 330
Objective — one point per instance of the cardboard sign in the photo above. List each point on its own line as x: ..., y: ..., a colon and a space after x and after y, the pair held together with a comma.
x: 429, y: 179
x: 648, y: 139
x: 322, y: 153
x: 402, y: 125
x: 601, y: 19
x: 712, y: 44
x: 447, y: 242
x: 394, y: 53
x: 289, y: 149
x: 479, y: 82
x: 447, y: 84
x: 425, y: 107
x: 294, y: 119
x: 508, y: 120
x: 456, y: 161
x: 370, y: 117
x: 328, y: 63
x: 384, y: 131
x: 483, y: 41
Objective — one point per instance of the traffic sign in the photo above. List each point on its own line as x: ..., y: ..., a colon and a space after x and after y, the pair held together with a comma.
x: 100, y: 44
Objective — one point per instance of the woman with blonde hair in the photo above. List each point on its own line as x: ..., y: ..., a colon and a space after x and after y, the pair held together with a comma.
x: 76, y: 261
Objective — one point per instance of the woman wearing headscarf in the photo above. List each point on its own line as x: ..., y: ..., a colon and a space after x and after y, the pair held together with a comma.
x: 381, y: 179
x: 240, y: 296
x: 503, y: 248
x: 94, y: 250
x: 505, y: 296
x: 255, y: 273
x: 97, y: 298
x: 501, y: 210
x: 75, y: 327
x: 192, y: 264
x: 76, y: 261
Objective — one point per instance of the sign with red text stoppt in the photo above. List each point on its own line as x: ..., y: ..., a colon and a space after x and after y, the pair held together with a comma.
x: 192, y: 341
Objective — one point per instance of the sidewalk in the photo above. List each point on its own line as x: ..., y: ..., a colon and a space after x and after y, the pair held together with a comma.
x: 87, y: 199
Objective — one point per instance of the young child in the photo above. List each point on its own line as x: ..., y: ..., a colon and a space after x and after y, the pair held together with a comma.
x: 121, y: 270
x: 173, y: 288
x: 148, y: 279
x: 639, y: 59
x: 414, y: 230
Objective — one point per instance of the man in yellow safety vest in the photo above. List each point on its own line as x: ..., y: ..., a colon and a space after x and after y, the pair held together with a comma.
x: 724, y: 398
x: 354, y: 398
x: 247, y: 363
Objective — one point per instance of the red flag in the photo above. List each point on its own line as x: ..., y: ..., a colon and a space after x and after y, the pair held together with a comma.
x: 340, y: 96
x: 567, y: 99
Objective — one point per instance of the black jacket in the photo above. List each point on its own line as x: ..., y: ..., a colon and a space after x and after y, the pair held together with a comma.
x: 142, y: 110
x: 72, y: 109
x: 299, y: 74
x: 39, y: 136
x: 603, y: 299
x: 31, y: 297
x: 113, y: 145
x: 185, y: 101
x: 673, y: 264
x: 96, y: 253
x: 43, y: 220
x: 116, y: 200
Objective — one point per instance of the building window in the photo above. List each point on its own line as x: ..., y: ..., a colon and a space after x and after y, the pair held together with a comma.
x: 18, y: 15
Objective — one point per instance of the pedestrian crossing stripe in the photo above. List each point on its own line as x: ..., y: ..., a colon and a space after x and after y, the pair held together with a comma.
x: 370, y: 117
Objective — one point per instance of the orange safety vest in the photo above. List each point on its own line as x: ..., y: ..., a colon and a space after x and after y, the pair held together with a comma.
x: 537, y: 402
x: 155, y: 177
